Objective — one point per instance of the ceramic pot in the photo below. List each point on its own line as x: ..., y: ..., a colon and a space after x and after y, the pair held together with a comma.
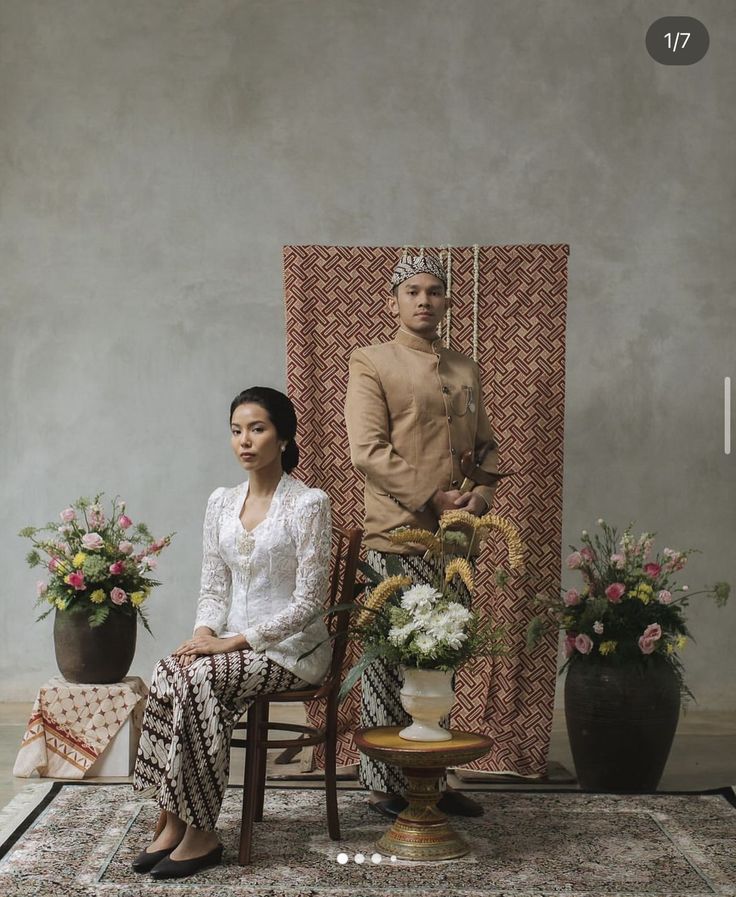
x: 98, y: 654
x: 621, y: 721
x: 427, y: 696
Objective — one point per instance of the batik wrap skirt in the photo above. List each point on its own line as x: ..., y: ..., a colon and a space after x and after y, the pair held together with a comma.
x: 184, y: 751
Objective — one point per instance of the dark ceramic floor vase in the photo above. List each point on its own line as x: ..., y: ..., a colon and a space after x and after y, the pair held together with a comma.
x: 621, y: 721
x: 100, y: 654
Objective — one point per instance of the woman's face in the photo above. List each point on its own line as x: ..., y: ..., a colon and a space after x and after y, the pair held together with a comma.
x: 254, y: 439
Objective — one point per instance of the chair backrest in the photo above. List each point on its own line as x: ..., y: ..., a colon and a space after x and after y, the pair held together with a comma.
x: 342, y: 591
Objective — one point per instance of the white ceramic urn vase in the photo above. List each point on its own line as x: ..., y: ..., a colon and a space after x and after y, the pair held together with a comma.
x: 427, y: 696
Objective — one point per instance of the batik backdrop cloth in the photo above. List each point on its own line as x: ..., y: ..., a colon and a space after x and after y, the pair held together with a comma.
x: 508, y: 309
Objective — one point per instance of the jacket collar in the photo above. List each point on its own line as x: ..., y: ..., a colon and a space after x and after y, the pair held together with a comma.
x: 412, y: 341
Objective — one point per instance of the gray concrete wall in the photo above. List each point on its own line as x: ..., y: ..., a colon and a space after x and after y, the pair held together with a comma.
x: 156, y: 155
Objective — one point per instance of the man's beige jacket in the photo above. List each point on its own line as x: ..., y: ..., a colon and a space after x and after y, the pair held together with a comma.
x: 413, y: 407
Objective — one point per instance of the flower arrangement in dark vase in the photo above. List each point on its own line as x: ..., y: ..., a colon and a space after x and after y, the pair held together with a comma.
x: 630, y: 609
x: 98, y: 563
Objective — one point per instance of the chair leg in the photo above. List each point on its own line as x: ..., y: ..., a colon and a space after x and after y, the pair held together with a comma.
x: 249, y: 788
x: 264, y: 708
x: 333, y: 820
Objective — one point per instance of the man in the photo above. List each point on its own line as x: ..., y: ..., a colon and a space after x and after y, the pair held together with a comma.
x: 413, y: 407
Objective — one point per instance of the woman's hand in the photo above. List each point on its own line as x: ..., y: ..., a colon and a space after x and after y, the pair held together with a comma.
x: 201, y: 644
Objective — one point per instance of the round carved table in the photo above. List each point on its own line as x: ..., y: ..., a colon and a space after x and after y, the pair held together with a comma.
x: 421, y: 830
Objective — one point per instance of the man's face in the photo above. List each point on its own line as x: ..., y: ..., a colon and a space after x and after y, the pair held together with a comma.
x: 420, y: 304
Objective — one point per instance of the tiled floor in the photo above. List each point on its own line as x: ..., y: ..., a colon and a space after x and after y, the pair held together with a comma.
x: 703, y: 755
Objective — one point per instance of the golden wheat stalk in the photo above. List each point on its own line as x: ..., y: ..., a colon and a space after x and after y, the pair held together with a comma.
x: 463, y: 518
x: 460, y: 567
x: 510, y: 534
x: 417, y: 537
x: 379, y: 596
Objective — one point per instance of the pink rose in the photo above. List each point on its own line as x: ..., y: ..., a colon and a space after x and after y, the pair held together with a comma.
x: 652, y: 570
x: 574, y: 561
x: 653, y: 631
x: 615, y: 592
x: 148, y: 563
x: 124, y: 521
x: 157, y: 546
x: 117, y: 568
x: 118, y: 596
x: 54, y: 564
x: 92, y: 541
x: 584, y: 643
x: 76, y: 580
x: 41, y: 588
x: 664, y: 597
x: 618, y: 561
x: 125, y: 547
x: 67, y: 515
x: 569, y: 645
x: 572, y: 597
x: 587, y: 554
x: 647, y: 645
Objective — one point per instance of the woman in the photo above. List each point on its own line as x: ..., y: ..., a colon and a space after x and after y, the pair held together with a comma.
x: 264, y: 574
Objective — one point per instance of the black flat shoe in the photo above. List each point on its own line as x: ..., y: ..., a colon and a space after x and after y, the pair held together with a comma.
x: 145, y: 861
x: 169, y: 868
x: 455, y: 803
x: 390, y: 807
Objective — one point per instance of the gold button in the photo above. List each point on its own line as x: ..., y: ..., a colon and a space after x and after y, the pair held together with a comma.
x: 445, y: 389
x: 452, y: 451
x: 449, y: 419
x: 455, y: 483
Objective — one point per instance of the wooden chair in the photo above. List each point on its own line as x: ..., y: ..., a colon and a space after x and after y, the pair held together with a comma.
x: 257, y: 742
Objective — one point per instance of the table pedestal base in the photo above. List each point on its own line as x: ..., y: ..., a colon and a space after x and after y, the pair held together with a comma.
x: 421, y: 831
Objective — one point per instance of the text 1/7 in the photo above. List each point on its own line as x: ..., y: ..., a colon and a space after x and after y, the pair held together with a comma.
x: 673, y: 47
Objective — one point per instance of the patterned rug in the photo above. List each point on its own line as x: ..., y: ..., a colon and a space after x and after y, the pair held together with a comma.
x: 538, y: 843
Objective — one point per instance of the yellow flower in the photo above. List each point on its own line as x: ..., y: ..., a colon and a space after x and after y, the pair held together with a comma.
x: 460, y: 567
x: 510, y: 534
x: 680, y: 642
x: 670, y: 649
x: 97, y: 597
x: 379, y: 596
x: 607, y: 647
x: 417, y: 537
x: 567, y: 621
x: 137, y: 598
x: 60, y: 603
x: 643, y: 592
x: 79, y: 558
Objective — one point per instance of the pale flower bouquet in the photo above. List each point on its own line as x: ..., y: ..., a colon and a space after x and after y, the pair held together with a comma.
x: 630, y: 608
x: 98, y: 563
x: 427, y: 625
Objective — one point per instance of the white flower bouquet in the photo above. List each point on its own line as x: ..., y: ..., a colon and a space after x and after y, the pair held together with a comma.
x: 427, y: 625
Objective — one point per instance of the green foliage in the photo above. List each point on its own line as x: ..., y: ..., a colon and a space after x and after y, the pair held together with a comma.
x: 33, y: 558
x: 99, y: 615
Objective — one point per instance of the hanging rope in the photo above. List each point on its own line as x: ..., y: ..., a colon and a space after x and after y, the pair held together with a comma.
x: 476, y: 276
x: 448, y: 315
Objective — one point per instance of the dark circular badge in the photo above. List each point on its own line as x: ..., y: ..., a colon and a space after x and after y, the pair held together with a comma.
x: 677, y: 40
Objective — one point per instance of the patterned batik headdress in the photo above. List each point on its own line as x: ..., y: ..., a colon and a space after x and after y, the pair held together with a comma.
x: 418, y: 264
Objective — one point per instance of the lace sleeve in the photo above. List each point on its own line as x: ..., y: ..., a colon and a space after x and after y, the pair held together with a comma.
x: 313, y: 537
x: 215, y: 590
